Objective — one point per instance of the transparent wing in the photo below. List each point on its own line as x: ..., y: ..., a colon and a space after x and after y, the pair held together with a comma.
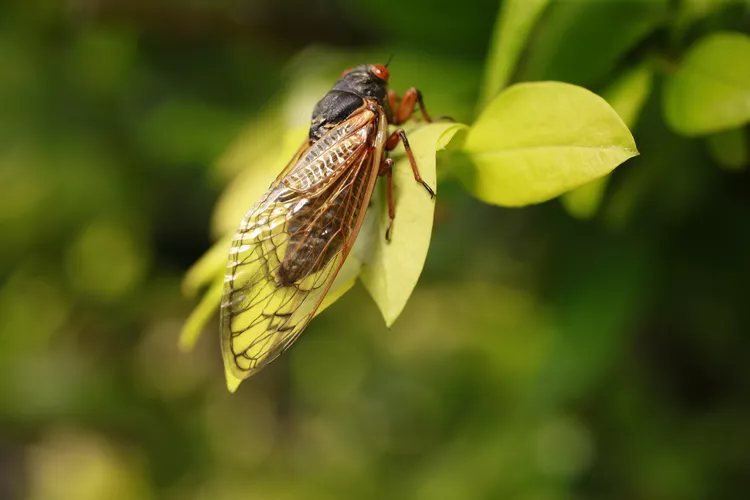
x: 292, y: 243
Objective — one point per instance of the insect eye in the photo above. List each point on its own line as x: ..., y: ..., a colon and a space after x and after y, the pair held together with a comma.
x: 345, y: 72
x: 380, y: 71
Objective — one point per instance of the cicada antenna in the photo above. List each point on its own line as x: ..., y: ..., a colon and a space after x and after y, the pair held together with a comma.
x: 389, y: 60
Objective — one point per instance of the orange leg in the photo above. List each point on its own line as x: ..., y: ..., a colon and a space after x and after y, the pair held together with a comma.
x: 404, y: 109
x: 392, y: 99
x: 386, y: 168
x: 392, y: 142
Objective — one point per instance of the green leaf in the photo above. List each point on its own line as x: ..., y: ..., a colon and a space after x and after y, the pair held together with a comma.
x: 710, y: 91
x: 207, y: 269
x: 729, y: 148
x: 515, y: 21
x: 198, y: 318
x: 626, y: 96
x: 392, y: 268
x: 344, y: 281
x: 537, y: 140
x: 583, y: 202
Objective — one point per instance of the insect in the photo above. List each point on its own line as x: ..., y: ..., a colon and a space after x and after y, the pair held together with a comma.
x: 292, y: 243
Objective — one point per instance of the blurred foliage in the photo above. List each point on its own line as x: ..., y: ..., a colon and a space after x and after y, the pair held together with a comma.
x: 709, y: 91
x: 541, y: 356
x: 516, y: 18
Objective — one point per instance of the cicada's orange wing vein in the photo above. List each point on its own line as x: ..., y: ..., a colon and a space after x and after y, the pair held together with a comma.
x: 292, y: 243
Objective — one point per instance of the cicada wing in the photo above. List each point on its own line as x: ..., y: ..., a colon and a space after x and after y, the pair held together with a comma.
x: 260, y: 317
x: 288, y: 251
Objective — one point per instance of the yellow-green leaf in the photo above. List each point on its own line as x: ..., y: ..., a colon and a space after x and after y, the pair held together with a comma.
x: 583, y: 202
x: 204, y: 311
x: 208, y: 268
x: 344, y: 281
x: 536, y: 141
x: 626, y: 95
x: 515, y: 21
x: 710, y: 91
x: 392, y: 268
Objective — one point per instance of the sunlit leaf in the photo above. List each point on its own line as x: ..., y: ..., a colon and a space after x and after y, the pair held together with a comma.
x: 710, y: 91
x: 208, y: 268
x: 204, y: 311
x: 729, y: 148
x: 392, y: 270
x: 344, y: 281
x: 537, y: 140
x: 626, y: 95
x: 515, y: 21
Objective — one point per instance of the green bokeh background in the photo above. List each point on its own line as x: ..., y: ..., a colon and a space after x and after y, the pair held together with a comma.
x: 541, y: 357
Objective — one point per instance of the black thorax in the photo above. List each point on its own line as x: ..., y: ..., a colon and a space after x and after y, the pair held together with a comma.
x: 347, y: 96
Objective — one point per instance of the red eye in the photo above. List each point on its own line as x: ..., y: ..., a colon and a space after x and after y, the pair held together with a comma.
x: 380, y: 71
x: 345, y: 72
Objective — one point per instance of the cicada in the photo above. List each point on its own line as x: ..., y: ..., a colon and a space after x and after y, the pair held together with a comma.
x: 292, y: 243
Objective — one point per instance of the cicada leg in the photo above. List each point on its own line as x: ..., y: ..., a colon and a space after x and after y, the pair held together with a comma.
x: 392, y: 142
x: 403, y: 108
x: 386, y: 168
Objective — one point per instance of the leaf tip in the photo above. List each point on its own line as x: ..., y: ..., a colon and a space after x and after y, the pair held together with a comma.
x: 187, y: 339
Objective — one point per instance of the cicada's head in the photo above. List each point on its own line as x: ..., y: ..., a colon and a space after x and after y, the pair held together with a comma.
x: 367, y: 80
